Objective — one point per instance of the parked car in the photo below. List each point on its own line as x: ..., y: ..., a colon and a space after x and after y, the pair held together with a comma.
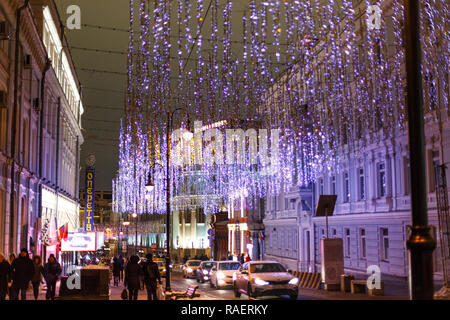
x: 204, y: 269
x: 263, y: 278
x: 190, y: 268
x: 221, y: 274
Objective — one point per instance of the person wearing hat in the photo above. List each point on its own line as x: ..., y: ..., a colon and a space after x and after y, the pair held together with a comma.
x: 151, y: 274
x: 52, y: 270
x: 23, y: 270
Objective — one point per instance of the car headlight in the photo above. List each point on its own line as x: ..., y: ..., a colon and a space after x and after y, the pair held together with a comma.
x: 220, y: 275
x: 293, y: 281
x: 261, y: 282
x: 170, y: 266
x: 164, y: 270
x: 205, y: 271
x: 189, y: 270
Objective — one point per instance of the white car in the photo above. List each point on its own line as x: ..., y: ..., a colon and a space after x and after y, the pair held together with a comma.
x: 221, y: 274
x: 190, y: 268
x: 264, y: 278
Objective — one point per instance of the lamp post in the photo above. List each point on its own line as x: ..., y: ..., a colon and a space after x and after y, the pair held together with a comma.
x: 149, y: 186
x: 126, y: 223
x: 420, y: 244
x: 135, y: 216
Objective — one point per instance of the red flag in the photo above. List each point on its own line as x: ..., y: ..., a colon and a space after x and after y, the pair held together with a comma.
x: 64, y: 231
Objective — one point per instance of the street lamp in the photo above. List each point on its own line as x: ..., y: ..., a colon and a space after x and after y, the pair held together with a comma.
x: 126, y: 224
x: 134, y: 215
x: 150, y: 186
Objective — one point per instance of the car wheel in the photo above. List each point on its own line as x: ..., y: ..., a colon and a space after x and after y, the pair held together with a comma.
x: 237, y: 293
x: 198, y: 280
x: 217, y: 286
x: 211, y: 284
x: 293, y: 296
x: 249, y: 291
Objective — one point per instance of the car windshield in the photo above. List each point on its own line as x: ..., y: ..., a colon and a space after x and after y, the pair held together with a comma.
x: 208, y: 265
x: 194, y: 263
x: 229, y: 266
x: 266, y: 267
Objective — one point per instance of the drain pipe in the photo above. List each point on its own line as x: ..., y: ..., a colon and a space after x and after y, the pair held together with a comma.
x: 14, y: 125
x: 41, y: 139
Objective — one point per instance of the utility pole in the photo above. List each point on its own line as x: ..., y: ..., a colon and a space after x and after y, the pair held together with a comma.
x: 420, y: 244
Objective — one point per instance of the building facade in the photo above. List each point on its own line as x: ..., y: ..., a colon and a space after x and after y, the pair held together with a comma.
x: 372, y: 183
x: 48, y: 112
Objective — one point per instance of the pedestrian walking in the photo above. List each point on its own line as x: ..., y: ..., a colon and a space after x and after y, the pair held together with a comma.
x: 229, y: 256
x: 132, y: 277
x: 116, y: 269
x: 122, y: 266
x: 141, y: 277
x: 247, y: 258
x: 5, y: 276
x: 11, y: 259
x: 22, y: 270
x: 151, y: 276
x: 37, y: 275
x: 241, y: 258
x: 52, y: 271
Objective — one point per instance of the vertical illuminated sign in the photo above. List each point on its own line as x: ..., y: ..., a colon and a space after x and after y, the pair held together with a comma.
x: 89, y: 195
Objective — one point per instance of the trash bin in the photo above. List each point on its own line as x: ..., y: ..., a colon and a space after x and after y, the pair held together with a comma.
x: 346, y: 280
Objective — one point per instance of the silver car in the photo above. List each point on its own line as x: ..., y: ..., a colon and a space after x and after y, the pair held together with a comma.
x: 264, y: 278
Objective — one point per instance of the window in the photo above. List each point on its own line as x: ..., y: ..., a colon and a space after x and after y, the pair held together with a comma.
x: 200, y: 215
x: 333, y: 232
x: 362, y: 234
x: 333, y: 185
x: 346, y: 188
x: 361, y: 185
x: 384, y: 244
x: 322, y: 233
x: 187, y: 215
x: 435, y: 177
x: 347, y: 243
x: 321, y: 186
x: 381, y: 180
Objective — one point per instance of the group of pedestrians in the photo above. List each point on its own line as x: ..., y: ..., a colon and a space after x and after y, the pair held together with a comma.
x: 17, y: 274
x: 136, y: 272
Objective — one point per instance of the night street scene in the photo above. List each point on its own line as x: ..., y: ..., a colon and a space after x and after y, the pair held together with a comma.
x: 249, y: 151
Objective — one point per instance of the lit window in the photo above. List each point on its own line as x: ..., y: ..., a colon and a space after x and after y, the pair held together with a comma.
x: 363, y: 243
x: 347, y: 243
x: 346, y: 188
x: 361, y: 185
x: 382, y: 188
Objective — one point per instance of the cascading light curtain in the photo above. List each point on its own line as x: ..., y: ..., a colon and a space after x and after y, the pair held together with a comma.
x: 312, y: 69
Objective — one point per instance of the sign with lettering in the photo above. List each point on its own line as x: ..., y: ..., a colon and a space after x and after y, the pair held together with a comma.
x: 89, y: 195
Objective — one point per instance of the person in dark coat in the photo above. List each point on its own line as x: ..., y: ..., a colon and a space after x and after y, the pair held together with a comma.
x: 23, y: 271
x: 132, y: 277
x: 52, y: 271
x: 37, y: 275
x: 117, y: 268
x: 151, y: 275
x: 242, y: 258
x: 5, y: 276
x: 122, y: 262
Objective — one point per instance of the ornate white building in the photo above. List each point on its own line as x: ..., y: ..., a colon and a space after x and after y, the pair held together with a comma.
x: 48, y: 128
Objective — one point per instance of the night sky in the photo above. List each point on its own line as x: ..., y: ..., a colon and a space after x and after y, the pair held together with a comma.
x: 103, y: 93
